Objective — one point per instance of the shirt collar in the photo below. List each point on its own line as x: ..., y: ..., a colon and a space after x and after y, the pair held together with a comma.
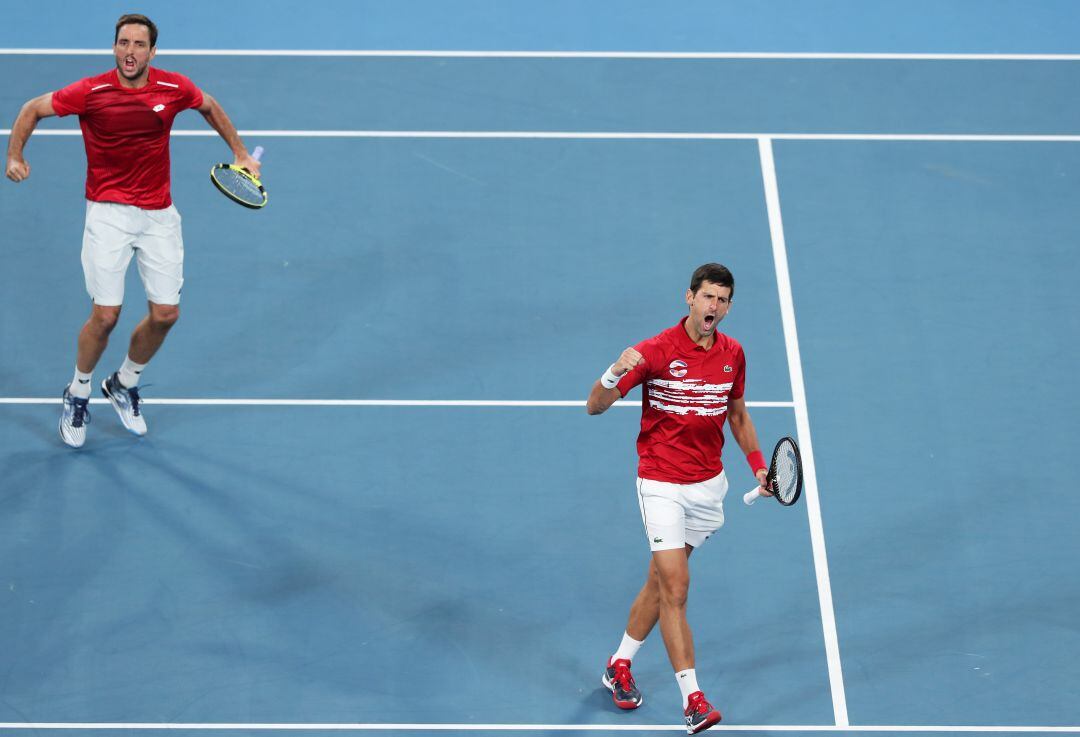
x: 151, y: 77
x: 683, y: 338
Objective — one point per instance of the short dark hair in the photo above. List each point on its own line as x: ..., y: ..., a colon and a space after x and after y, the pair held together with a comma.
x: 715, y: 273
x: 136, y: 19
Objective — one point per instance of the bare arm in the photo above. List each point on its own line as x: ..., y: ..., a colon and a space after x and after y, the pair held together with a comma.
x: 600, y: 398
x: 219, y: 121
x: 34, y: 110
x: 745, y: 434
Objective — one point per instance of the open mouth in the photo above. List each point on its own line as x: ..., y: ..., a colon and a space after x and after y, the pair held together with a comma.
x: 710, y: 321
x: 129, y: 65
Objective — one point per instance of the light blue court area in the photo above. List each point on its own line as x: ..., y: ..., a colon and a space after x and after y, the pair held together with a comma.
x: 607, y: 94
x: 971, y: 26
x: 469, y: 567
x: 264, y: 564
x: 423, y: 269
x: 939, y: 359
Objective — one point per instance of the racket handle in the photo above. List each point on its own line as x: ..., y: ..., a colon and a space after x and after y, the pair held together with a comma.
x: 751, y: 496
x: 257, y: 153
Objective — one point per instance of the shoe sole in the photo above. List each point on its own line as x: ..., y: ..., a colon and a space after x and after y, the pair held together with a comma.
x: 625, y: 705
x: 120, y: 412
x: 710, y: 721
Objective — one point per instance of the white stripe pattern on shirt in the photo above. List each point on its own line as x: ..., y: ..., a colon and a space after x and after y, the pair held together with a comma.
x: 689, y: 397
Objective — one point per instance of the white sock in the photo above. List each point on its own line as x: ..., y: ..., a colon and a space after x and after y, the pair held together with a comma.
x: 627, y: 648
x: 129, y: 372
x: 687, y: 684
x: 80, y: 384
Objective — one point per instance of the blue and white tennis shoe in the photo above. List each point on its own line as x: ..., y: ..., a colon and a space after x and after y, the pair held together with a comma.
x: 126, y: 402
x: 74, y: 419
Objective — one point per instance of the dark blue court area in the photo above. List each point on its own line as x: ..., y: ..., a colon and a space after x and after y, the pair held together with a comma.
x: 371, y: 500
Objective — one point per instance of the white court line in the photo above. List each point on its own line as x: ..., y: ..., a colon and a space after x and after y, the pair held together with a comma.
x: 614, y: 135
x: 464, y: 54
x: 802, y: 422
x: 364, y: 402
x: 345, y: 727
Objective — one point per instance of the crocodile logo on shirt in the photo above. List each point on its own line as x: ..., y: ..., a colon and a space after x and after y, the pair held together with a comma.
x: 158, y: 108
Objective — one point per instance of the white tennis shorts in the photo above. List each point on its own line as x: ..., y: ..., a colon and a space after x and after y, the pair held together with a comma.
x: 681, y: 514
x: 114, y: 233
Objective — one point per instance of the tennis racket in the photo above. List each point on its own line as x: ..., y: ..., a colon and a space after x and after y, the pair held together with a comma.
x: 239, y: 185
x: 784, y: 478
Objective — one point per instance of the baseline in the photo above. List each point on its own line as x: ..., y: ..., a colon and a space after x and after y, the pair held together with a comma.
x: 345, y: 727
x: 408, y: 53
x: 612, y: 135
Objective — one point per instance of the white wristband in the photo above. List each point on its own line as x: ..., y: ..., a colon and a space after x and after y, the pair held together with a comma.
x: 609, y: 380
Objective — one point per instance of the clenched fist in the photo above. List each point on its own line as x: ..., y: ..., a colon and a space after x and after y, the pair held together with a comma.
x: 627, y: 361
x: 17, y: 169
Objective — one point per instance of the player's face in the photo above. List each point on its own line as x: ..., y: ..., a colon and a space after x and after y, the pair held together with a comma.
x: 708, y: 306
x: 133, y: 51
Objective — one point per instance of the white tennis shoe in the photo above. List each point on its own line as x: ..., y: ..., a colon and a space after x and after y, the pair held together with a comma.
x: 74, y: 419
x: 126, y: 402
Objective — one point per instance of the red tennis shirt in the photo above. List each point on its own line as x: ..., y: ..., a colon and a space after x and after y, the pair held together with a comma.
x: 684, y: 404
x: 126, y: 133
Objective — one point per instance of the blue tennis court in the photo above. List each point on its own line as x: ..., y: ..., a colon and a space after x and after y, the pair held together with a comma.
x: 371, y: 499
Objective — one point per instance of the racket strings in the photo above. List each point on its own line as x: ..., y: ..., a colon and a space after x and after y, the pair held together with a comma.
x: 239, y: 185
x: 786, y: 474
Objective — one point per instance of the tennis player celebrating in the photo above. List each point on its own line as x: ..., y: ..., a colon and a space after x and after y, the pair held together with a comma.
x: 126, y: 115
x: 694, y: 378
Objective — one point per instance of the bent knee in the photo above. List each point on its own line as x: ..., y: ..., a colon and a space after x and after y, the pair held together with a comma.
x: 104, y: 319
x: 674, y: 593
x: 164, y: 316
x: 674, y: 598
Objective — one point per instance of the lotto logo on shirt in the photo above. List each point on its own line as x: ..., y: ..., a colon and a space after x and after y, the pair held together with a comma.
x: 677, y: 369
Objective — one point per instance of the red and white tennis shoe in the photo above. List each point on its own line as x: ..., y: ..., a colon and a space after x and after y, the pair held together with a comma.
x: 618, y: 679
x: 700, y: 714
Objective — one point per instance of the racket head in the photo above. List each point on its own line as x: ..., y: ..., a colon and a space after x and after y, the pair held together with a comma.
x: 785, y: 477
x: 239, y: 185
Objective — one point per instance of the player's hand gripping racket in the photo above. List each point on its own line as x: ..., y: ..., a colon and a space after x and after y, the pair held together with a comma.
x: 784, y: 478
x: 240, y: 185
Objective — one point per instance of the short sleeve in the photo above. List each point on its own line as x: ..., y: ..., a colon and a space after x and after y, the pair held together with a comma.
x: 193, y: 96
x: 70, y: 100
x: 636, y: 375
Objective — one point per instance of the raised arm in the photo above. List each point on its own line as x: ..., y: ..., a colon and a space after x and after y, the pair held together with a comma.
x: 34, y: 110
x: 215, y: 115
x: 604, y: 394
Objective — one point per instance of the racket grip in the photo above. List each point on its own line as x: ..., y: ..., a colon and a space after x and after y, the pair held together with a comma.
x: 257, y: 153
x: 751, y: 496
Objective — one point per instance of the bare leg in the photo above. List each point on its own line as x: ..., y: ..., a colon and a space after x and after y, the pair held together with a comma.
x: 673, y: 584
x: 645, y: 611
x: 150, y: 333
x: 94, y: 336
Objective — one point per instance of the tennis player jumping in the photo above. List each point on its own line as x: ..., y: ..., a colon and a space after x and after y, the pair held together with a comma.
x: 126, y: 115
x: 694, y: 378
